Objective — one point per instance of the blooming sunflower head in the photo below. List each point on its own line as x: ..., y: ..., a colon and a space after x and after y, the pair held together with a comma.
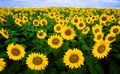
x: 15, y: 51
x: 75, y: 20
x: 73, y: 58
x: 36, y: 22
x: 57, y: 28
x: 68, y: 33
x: 98, y: 37
x: 115, y: 30
x: 25, y: 19
x: 41, y: 34
x: 81, y: 25
x: 86, y: 30
x: 104, y: 19
x: 43, y: 22
x: 96, y: 29
x: 110, y: 38
x: 4, y: 33
x: 101, y: 49
x: 2, y: 64
x: 37, y: 61
x: 55, y: 41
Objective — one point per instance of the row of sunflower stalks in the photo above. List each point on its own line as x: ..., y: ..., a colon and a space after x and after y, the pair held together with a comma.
x: 59, y: 40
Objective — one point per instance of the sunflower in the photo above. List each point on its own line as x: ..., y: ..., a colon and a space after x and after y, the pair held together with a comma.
x: 96, y: 29
x: 68, y: 33
x: 61, y: 22
x: 51, y: 14
x: 104, y: 19
x: 75, y: 20
x: 2, y: 64
x: 81, y: 25
x: 89, y: 20
x: 98, y: 37
x: 4, y: 33
x: 57, y: 28
x: 41, y: 34
x: 36, y: 22
x: 110, y: 38
x: 101, y: 49
x: 15, y: 51
x: 115, y: 30
x: 43, y: 22
x: 37, y: 61
x: 20, y: 22
x: 86, y: 30
x: 73, y: 58
x: 55, y: 41
x: 25, y: 19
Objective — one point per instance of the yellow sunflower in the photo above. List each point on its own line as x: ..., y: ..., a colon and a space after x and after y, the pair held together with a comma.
x: 15, y: 51
x: 68, y: 33
x: 37, y: 61
x: 36, y: 22
x: 115, y: 30
x: 73, y: 58
x: 81, y: 25
x: 25, y: 19
x: 89, y: 20
x: 104, y: 19
x: 57, y: 28
x: 61, y: 22
x: 98, y: 37
x: 20, y: 22
x: 75, y: 20
x: 110, y: 38
x: 55, y: 41
x: 2, y: 64
x: 101, y: 49
x: 51, y: 14
x: 86, y: 30
x: 43, y: 22
x: 4, y: 33
x: 96, y: 29
x: 41, y: 34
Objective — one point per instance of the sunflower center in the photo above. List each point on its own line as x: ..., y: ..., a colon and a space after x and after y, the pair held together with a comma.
x: 58, y: 28
x: 99, y: 37
x: 15, y: 51
x: 115, y: 30
x: 101, y: 49
x: 43, y: 22
x: 97, y: 30
x: 104, y: 18
x: 55, y: 41
x: 51, y: 14
x: 61, y: 22
x: 81, y: 24
x: 36, y: 22
x: 75, y: 20
x: 111, y: 38
x: 40, y: 34
x: 74, y: 58
x: 20, y: 22
x: 68, y: 32
x: 37, y: 60
x: 5, y: 33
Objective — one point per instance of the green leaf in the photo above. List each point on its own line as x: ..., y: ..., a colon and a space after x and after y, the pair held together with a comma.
x: 93, y: 65
x: 114, y: 68
x: 118, y: 56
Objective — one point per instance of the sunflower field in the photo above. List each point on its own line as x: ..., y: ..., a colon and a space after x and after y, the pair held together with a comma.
x: 59, y: 40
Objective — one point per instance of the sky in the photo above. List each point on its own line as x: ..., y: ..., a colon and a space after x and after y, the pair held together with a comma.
x: 61, y: 3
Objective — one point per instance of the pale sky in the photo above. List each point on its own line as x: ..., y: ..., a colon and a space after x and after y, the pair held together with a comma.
x: 61, y: 3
